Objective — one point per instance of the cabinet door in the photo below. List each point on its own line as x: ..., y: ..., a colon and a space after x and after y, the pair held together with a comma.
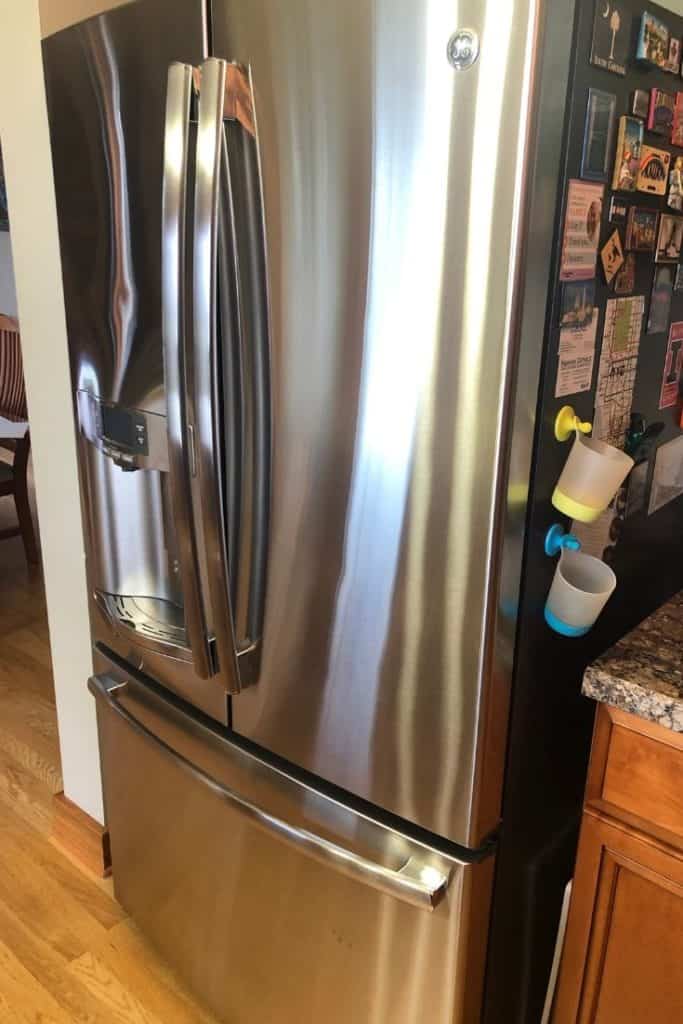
x: 623, y: 959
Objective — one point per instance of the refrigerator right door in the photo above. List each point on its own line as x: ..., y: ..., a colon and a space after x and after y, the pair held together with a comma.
x: 387, y: 136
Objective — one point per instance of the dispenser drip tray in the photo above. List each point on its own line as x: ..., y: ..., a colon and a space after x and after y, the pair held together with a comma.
x: 151, y: 619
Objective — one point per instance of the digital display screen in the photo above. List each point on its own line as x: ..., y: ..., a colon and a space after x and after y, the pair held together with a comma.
x: 118, y: 426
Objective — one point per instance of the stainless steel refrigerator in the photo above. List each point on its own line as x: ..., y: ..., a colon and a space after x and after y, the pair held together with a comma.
x: 305, y: 252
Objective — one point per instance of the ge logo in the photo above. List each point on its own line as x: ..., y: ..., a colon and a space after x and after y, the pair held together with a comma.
x: 463, y: 49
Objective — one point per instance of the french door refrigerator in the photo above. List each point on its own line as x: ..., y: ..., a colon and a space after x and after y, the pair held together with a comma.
x: 305, y: 251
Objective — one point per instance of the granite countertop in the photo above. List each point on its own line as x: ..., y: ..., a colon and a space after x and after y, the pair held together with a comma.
x: 643, y: 672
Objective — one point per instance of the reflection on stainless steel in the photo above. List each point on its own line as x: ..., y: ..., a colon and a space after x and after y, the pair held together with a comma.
x: 129, y: 516
x: 106, y: 92
x: 412, y: 878
x: 107, y: 95
x: 174, y: 327
x: 389, y: 199
x: 360, y: 954
x: 238, y: 103
x: 123, y: 295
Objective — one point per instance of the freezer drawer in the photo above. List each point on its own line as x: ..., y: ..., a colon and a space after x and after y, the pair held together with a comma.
x: 274, y: 901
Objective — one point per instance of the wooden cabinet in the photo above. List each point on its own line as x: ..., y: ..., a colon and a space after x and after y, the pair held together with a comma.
x: 623, y: 957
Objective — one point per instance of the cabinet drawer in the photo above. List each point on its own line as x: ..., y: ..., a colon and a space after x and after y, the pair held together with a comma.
x: 637, y: 768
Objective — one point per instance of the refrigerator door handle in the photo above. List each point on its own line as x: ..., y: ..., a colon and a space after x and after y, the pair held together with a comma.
x: 225, y: 95
x: 174, y: 215
x: 416, y: 881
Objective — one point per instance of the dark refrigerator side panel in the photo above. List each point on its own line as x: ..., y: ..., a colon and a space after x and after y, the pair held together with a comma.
x: 551, y: 722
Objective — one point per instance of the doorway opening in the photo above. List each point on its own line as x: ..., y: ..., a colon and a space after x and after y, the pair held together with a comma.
x: 30, y: 769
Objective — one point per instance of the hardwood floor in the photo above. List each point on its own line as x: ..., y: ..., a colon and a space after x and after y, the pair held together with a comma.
x: 30, y: 771
x: 68, y: 952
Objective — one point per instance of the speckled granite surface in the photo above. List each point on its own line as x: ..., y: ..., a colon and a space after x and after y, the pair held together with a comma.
x: 643, y: 672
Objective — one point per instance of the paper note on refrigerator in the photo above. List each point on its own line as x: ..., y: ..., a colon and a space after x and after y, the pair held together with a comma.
x: 617, y: 369
x: 576, y: 358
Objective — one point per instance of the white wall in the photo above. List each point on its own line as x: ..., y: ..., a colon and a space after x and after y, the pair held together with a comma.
x: 58, y: 14
x: 35, y: 248
x: 8, y: 297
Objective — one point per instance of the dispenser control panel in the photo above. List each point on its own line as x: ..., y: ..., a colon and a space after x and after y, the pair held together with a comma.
x: 123, y: 429
x: 131, y: 438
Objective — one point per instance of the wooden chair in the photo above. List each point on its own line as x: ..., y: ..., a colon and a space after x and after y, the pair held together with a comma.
x: 13, y: 476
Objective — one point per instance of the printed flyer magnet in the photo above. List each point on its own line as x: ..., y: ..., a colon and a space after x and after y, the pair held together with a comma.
x: 625, y: 281
x: 653, y: 172
x: 598, y: 134
x: 617, y: 369
x: 673, y: 364
x: 578, y: 302
x: 611, y: 29
x: 669, y: 239
x: 660, y: 116
x: 576, y: 358
x: 673, y: 62
x: 641, y: 229
x: 674, y: 200
x: 612, y: 256
x: 640, y: 103
x: 677, y: 127
x: 618, y: 211
x: 627, y: 159
x: 653, y: 41
x: 581, y: 231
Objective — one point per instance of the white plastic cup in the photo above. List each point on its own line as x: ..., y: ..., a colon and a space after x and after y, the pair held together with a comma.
x: 581, y: 587
x: 592, y: 475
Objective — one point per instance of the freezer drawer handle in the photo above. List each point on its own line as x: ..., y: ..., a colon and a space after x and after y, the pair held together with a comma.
x: 176, y: 149
x: 416, y: 882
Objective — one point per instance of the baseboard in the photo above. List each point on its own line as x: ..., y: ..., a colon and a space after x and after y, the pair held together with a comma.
x: 81, y: 836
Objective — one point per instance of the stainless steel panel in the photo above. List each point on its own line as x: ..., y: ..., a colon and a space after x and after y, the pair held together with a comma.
x: 261, y: 929
x: 393, y: 188
x: 414, y: 878
x: 106, y: 88
x: 131, y: 538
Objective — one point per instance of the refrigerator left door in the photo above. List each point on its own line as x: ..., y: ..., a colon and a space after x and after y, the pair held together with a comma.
x: 274, y: 901
x: 110, y: 111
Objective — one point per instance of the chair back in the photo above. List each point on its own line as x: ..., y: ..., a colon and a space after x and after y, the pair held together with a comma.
x: 12, y: 389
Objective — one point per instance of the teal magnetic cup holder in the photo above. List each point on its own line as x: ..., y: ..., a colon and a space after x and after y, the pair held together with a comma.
x: 563, y: 628
x: 556, y: 541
